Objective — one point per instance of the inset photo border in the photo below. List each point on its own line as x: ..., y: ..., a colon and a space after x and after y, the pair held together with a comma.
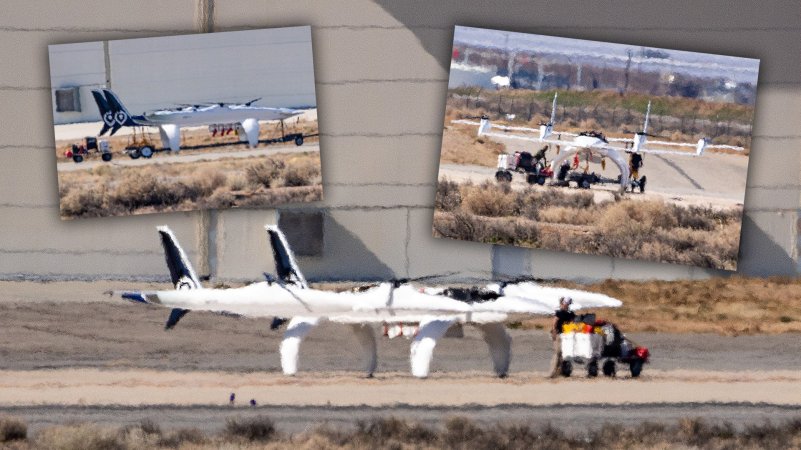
x: 180, y: 123
x: 596, y: 148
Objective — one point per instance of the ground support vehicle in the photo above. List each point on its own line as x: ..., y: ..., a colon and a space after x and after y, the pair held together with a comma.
x: 597, y: 343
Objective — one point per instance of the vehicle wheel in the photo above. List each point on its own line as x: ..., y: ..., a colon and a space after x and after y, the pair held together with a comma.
x: 609, y: 368
x: 299, y: 141
x: 508, y: 176
x: 592, y: 369
x: 77, y: 158
x: 636, y: 367
x: 566, y: 369
x: 541, y: 180
x: 134, y: 153
x: 106, y: 157
x: 531, y: 178
x: 642, y: 184
x: 146, y: 151
x: 503, y: 176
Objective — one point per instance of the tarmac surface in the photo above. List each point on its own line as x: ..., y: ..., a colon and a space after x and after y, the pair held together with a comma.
x: 714, y: 178
x: 184, y: 156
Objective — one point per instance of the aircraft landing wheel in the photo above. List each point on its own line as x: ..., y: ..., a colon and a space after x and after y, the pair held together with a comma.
x: 299, y: 141
x: 592, y: 369
x: 134, y: 153
x: 146, y: 151
x: 566, y: 368
x: 503, y: 176
x: 636, y: 367
x: 609, y: 368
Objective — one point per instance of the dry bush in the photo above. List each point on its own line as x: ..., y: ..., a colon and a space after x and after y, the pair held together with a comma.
x: 82, y: 202
x: 491, y: 200
x: 448, y: 195
x: 12, y: 429
x: 259, y: 428
x: 470, y: 227
x: 80, y: 437
x: 265, y: 173
x: 303, y: 172
x: 237, y: 182
x: 181, y: 437
x: 572, y: 216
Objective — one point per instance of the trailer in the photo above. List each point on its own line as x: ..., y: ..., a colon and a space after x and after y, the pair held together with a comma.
x: 594, y: 342
x: 535, y: 167
x: 91, y: 145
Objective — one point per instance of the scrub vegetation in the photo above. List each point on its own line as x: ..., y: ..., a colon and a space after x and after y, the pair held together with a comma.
x: 108, y: 190
x: 389, y: 432
x: 573, y: 221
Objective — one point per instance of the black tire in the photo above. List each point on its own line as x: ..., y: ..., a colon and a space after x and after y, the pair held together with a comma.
x: 592, y: 369
x: 299, y: 141
x: 503, y: 176
x: 77, y: 158
x: 642, y: 184
x: 134, y: 153
x: 566, y: 368
x: 636, y: 367
x: 609, y: 368
x: 106, y: 157
x: 146, y: 151
x: 531, y: 178
x: 541, y: 180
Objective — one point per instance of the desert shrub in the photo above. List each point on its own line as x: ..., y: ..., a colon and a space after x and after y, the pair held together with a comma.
x: 147, y: 189
x: 80, y: 437
x: 182, y: 436
x: 561, y: 214
x: 489, y: 200
x: 384, y: 432
x: 466, y: 226
x: 448, y: 195
x: 83, y: 202
x: 539, y: 199
x: 204, y: 183
x: 265, y: 173
x: 301, y: 173
x: 259, y: 428
x: 12, y: 429
x: 237, y: 182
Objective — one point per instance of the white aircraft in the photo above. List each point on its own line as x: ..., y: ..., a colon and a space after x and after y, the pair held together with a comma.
x: 243, y: 117
x: 289, y: 296
x: 593, y: 147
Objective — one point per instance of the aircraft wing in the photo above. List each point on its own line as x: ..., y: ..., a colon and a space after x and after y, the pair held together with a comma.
x: 550, y: 296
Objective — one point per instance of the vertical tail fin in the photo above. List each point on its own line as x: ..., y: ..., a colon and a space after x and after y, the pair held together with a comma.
x: 182, y: 274
x: 105, y: 111
x: 546, y: 129
x: 121, y: 115
x: 285, y: 265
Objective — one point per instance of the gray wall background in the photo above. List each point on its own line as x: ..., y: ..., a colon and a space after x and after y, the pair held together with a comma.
x: 275, y: 65
x: 381, y: 76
